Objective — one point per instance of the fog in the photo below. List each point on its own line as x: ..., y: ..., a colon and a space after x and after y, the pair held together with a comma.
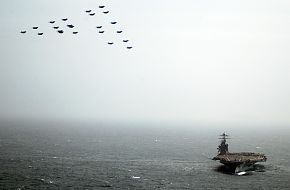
x: 193, y: 62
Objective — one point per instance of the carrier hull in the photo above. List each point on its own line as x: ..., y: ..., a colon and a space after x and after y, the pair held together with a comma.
x: 239, y: 162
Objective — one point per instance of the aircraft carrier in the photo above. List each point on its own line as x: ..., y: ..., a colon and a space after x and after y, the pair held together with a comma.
x: 238, y: 162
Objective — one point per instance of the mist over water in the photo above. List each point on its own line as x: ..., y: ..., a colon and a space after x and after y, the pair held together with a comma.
x: 55, y: 155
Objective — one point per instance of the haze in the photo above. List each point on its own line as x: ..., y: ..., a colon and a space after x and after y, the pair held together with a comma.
x: 205, y: 61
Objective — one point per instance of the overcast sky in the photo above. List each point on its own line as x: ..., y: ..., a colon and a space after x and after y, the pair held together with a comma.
x: 193, y: 61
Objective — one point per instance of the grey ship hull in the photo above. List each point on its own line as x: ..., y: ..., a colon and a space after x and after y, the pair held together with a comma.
x: 239, y: 162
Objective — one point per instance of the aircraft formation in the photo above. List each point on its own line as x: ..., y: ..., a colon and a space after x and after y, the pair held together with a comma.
x: 72, y: 29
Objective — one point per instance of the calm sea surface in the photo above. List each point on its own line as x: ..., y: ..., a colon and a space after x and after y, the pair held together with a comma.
x: 61, y: 156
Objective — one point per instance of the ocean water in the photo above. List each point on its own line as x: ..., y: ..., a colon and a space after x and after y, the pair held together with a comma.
x: 98, y: 156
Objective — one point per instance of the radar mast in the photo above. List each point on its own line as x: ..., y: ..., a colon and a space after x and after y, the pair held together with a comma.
x: 223, y: 147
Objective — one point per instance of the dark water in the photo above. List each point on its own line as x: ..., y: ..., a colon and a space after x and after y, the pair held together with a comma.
x: 59, y: 156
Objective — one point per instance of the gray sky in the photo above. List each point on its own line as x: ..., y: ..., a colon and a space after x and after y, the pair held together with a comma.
x: 193, y: 61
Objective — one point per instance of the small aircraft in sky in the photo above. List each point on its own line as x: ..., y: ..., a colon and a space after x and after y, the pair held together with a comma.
x: 70, y: 25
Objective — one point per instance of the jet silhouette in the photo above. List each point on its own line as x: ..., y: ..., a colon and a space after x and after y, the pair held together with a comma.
x: 119, y: 31
x: 51, y: 22
x: 125, y: 40
x: 56, y: 27
x: 110, y: 43
x: 92, y: 14
x: 99, y: 27
x: 106, y: 12
x: 23, y: 32
x: 88, y: 11
x: 101, y: 6
x: 64, y: 19
x: 70, y: 25
x: 113, y: 22
x: 102, y: 31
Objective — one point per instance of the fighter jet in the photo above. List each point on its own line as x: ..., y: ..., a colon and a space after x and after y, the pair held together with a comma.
x: 70, y: 25
x: 40, y: 33
x: 56, y: 27
x: 23, y: 32
x: 101, y: 6
x: 35, y: 27
x: 51, y: 22
x: 119, y: 31
x: 129, y: 47
x: 98, y: 27
x: 88, y: 11
x: 113, y: 22
x: 75, y: 32
x: 106, y: 12
x: 64, y: 19
x: 110, y: 43
x: 125, y: 40
x: 60, y: 31
x: 92, y: 14
x: 101, y: 32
